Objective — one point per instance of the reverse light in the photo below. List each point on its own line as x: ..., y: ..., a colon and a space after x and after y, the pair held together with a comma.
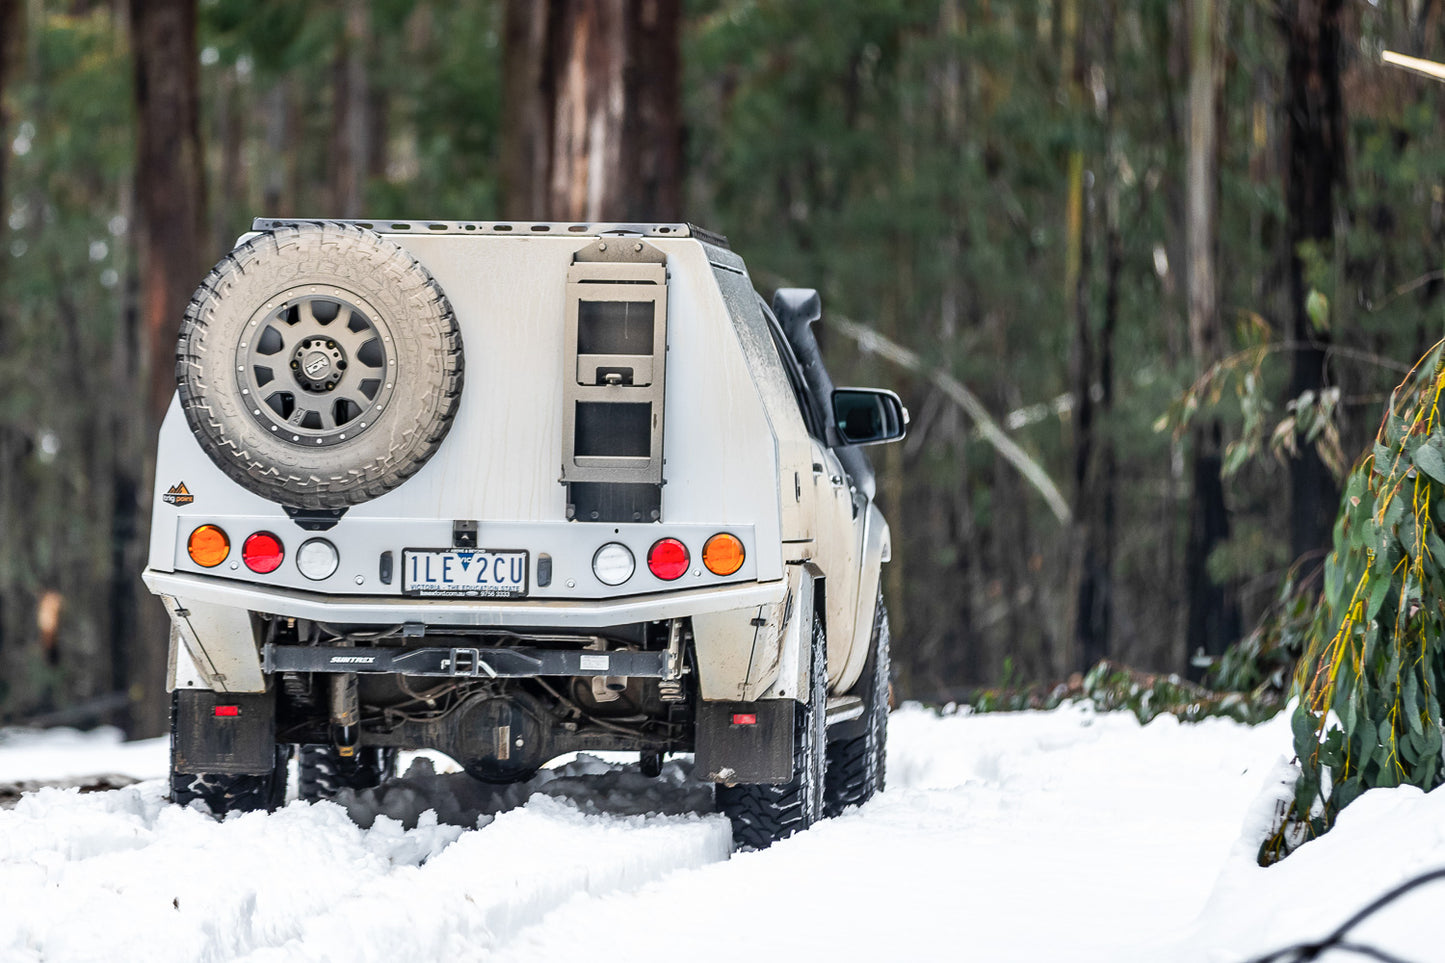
x: 262, y: 552
x: 317, y: 559
x: 613, y: 564
x: 723, y: 554
x: 208, y: 546
x: 668, y: 559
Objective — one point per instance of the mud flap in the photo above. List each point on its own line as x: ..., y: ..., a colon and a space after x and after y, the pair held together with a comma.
x: 746, y: 742
x: 223, y: 732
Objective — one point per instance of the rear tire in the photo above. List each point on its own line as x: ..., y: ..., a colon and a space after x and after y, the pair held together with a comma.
x: 227, y: 792
x: 857, y: 761
x: 762, y: 814
x: 322, y: 772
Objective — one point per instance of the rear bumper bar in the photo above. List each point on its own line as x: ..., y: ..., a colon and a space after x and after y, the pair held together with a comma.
x: 372, y: 610
x: 480, y: 663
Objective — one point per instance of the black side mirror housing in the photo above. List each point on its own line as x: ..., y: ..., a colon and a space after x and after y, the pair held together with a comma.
x: 868, y: 416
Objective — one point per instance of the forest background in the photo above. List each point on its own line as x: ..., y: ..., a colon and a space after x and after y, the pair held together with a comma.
x: 1144, y: 271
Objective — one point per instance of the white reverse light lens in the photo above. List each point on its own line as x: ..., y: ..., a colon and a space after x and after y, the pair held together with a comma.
x: 317, y: 559
x: 613, y: 564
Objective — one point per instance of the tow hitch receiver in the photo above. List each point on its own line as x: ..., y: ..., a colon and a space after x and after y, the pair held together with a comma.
x: 489, y: 663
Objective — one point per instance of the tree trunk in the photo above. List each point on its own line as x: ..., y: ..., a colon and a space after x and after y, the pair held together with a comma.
x: 12, y: 29
x: 1213, y: 615
x: 591, y: 123
x: 170, y: 195
x: 170, y: 180
x: 1315, y: 145
x: 351, y: 151
x: 12, y: 26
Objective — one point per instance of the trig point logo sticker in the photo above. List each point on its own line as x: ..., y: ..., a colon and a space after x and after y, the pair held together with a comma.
x: 178, y: 495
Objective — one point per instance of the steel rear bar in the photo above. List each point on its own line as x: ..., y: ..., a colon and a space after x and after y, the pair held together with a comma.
x: 482, y: 663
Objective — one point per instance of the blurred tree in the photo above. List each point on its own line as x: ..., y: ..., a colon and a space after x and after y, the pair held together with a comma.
x: 1316, y: 147
x: 170, y: 178
x: 170, y: 188
x: 1213, y: 614
x: 592, y: 124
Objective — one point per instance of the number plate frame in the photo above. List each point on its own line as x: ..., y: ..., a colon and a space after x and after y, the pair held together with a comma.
x: 436, y: 561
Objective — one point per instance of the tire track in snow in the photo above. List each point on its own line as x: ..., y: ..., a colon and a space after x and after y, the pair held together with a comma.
x: 124, y: 875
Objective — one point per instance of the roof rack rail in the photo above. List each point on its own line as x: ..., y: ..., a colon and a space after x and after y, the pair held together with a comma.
x: 420, y: 226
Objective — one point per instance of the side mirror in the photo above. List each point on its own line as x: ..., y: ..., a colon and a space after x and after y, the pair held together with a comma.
x: 867, y: 416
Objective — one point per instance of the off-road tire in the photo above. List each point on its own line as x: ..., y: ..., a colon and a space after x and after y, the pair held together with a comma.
x: 858, y: 759
x: 413, y: 400
x: 761, y: 814
x: 322, y: 773
x: 224, y: 792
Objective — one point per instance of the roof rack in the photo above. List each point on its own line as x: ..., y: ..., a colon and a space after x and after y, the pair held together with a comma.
x: 497, y: 227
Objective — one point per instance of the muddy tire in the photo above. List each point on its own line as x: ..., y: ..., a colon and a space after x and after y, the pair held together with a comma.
x: 858, y: 752
x: 319, y: 365
x: 224, y: 792
x: 762, y: 814
x: 321, y: 772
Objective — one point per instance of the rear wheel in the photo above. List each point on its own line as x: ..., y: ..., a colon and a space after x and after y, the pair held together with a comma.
x: 322, y: 772
x: 227, y: 792
x: 858, y: 755
x: 762, y: 814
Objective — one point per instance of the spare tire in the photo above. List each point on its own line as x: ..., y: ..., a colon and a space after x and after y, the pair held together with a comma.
x: 319, y: 365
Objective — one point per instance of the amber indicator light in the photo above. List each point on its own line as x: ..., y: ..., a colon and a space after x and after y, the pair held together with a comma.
x: 723, y: 554
x: 208, y: 546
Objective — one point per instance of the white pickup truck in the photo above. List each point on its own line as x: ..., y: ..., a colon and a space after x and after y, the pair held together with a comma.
x: 641, y: 521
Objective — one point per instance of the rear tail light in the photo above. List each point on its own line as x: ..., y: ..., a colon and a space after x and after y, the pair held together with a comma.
x: 208, y: 546
x: 317, y: 559
x: 262, y: 553
x: 668, y: 559
x: 723, y: 554
x: 613, y: 564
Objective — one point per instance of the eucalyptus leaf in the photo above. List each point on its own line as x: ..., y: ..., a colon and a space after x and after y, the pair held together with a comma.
x: 1429, y: 460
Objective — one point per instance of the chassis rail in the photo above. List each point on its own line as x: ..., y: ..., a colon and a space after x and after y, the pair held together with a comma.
x: 468, y: 662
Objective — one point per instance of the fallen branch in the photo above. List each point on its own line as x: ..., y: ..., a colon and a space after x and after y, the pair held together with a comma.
x: 871, y: 341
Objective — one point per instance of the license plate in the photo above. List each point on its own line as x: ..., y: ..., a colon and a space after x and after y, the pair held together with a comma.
x: 472, y: 573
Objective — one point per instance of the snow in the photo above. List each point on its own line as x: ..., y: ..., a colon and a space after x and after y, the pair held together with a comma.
x: 1067, y: 835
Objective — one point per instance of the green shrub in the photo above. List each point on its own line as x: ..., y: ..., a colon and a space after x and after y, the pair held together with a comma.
x: 1369, y: 681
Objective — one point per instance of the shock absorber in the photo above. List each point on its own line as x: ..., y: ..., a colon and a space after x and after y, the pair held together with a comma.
x: 345, y: 714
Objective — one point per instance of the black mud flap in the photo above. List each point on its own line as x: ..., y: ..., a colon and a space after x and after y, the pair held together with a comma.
x: 746, y: 742
x: 224, y: 732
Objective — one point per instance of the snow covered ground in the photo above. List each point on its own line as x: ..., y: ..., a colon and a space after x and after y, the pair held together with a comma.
x: 1065, y: 835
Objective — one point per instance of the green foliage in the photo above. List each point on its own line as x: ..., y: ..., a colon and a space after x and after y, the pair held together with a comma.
x: 1111, y: 687
x: 1369, y: 713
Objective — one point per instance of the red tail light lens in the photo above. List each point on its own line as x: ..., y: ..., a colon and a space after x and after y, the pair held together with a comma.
x: 262, y: 552
x: 668, y: 559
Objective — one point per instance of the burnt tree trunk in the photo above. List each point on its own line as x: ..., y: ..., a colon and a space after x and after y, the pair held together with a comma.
x: 1315, y: 145
x: 591, y: 126
x: 170, y: 243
